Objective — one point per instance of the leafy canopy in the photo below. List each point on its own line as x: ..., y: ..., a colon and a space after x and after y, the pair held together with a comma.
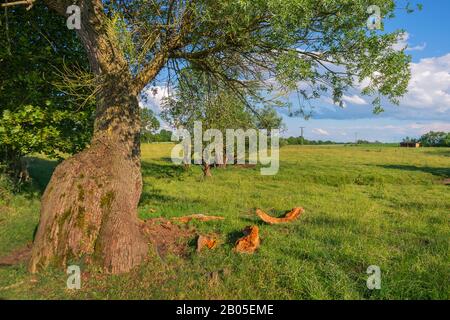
x: 257, y: 46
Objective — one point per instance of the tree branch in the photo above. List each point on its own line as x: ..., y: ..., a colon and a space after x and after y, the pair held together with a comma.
x: 29, y: 3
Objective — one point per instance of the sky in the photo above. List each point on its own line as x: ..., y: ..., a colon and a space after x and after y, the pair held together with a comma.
x: 425, y: 107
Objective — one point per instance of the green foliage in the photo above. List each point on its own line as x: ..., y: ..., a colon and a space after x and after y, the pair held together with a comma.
x: 325, y: 45
x: 36, y: 116
x: 303, y: 141
x: 52, y: 132
x: 435, y: 139
x: 149, y: 125
x: 198, y: 98
x: 268, y: 118
x: 161, y: 136
x: 409, y: 140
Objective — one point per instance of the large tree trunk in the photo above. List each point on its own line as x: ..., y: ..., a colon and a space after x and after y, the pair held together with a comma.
x: 89, y: 209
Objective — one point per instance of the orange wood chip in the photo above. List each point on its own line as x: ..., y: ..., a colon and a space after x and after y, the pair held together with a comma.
x: 250, y: 242
x: 206, y: 242
x: 290, y: 216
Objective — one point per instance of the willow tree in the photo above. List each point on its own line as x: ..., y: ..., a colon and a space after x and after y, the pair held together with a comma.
x: 89, y: 209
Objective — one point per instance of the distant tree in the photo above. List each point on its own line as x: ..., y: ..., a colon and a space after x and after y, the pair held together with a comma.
x: 197, y: 98
x: 163, y: 136
x: 149, y: 125
x: 269, y: 119
x: 435, y: 139
x: 300, y: 141
x: 409, y: 140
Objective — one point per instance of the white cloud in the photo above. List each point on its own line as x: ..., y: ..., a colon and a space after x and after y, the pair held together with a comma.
x: 429, y: 87
x: 321, y: 132
x: 152, y: 97
x: 402, y: 43
x: 419, y: 47
x: 428, y: 96
x: 354, y: 99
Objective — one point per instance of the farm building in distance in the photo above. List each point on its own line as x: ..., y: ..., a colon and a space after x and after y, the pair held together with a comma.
x: 410, y: 144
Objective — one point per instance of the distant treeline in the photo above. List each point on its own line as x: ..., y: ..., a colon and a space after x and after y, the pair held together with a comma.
x: 432, y: 139
x: 303, y: 141
x: 161, y: 136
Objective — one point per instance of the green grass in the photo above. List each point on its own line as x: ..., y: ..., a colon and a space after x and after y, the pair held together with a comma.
x: 364, y: 206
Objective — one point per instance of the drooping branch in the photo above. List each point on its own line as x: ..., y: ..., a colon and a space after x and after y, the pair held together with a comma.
x: 28, y: 3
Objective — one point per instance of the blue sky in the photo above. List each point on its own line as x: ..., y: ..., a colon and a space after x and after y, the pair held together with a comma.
x: 425, y: 107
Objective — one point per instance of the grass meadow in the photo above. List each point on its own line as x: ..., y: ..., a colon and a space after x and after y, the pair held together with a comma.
x: 365, y: 205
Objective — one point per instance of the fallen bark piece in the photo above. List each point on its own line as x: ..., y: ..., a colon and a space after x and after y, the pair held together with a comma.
x: 199, y: 217
x: 290, y: 216
x: 250, y: 242
x: 206, y: 242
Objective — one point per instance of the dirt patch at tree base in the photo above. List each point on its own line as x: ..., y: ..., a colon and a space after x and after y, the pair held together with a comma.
x: 168, y: 238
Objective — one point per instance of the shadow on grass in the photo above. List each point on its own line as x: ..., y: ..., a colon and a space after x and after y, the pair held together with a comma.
x: 155, y: 196
x: 40, y: 171
x: 443, y: 152
x: 234, y: 236
x: 157, y: 170
x: 440, y: 172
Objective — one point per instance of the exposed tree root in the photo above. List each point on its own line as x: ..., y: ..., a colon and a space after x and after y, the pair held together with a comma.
x: 250, y: 242
x: 290, y: 216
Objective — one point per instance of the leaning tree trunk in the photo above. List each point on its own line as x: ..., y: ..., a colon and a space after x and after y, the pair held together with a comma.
x: 89, y: 209
x: 206, y: 169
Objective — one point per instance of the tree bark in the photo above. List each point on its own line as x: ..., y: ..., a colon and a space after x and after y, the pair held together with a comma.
x: 206, y: 169
x: 89, y: 209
